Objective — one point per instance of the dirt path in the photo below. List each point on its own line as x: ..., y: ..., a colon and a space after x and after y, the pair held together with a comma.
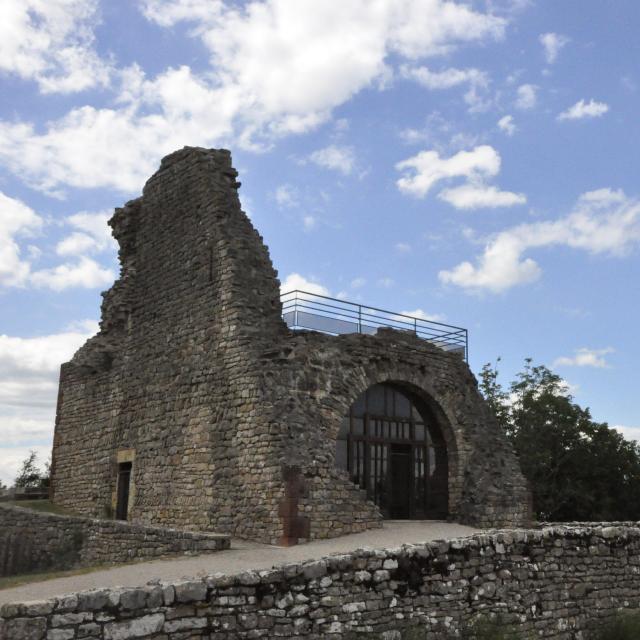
x: 242, y: 556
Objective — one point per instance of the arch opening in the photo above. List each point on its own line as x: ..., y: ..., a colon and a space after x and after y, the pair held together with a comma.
x: 392, y: 446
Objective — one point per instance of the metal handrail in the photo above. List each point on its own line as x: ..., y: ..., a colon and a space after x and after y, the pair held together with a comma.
x: 317, y: 312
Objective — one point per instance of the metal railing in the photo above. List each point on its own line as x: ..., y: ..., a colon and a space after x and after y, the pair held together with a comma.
x: 304, y: 310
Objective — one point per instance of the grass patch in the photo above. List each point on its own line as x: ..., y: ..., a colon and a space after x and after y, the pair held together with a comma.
x: 625, y: 625
x: 45, y: 506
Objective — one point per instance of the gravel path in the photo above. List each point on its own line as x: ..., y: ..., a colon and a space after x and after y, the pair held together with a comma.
x: 243, y: 555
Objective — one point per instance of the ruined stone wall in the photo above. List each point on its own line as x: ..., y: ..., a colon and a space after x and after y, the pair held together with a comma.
x: 228, y: 417
x: 33, y: 541
x: 558, y: 582
x: 172, y: 375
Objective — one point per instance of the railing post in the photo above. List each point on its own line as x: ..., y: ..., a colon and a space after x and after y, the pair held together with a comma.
x: 359, y: 318
x: 415, y: 326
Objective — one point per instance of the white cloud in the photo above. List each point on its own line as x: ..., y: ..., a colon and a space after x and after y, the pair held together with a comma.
x: 16, y: 218
x: 29, y: 369
x: 552, y: 43
x: 277, y: 68
x: 286, y: 196
x: 427, y: 168
x: 51, y: 42
x: 630, y: 433
x: 337, y: 158
x: 527, y: 96
x: 358, y: 283
x: 582, y: 109
x: 585, y: 358
x: 507, y: 125
x: 474, y: 196
x: 602, y: 222
x: 85, y: 273
x: 445, y: 79
x: 423, y: 315
x: 309, y: 222
x: 386, y: 282
x: 93, y: 235
x: 296, y: 281
x: 402, y: 247
x: 477, y: 81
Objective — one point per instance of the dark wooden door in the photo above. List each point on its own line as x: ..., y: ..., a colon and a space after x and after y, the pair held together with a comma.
x: 400, y: 480
x: 124, y: 480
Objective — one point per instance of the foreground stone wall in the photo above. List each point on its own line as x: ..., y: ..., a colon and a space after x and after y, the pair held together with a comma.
x: 556, y: 582
x: 33, y: 541
x: 228, y: 418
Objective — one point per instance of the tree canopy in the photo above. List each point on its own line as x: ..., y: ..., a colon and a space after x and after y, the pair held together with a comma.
x: 30, y: 475
x: 578, y: 469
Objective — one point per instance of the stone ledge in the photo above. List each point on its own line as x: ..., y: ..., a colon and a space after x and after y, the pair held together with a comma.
x: 558, y: 580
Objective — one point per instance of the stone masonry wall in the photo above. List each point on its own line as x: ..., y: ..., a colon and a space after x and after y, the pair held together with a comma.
x: 228, y: 418
x: 557, y: 582
x: 34, y: 541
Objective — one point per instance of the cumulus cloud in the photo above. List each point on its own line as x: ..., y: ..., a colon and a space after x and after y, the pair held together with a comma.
x: 336, y: 158
x: 474, y: 79
x: 585, y: 358
x: 474, y: 196
x: 552, y: 43
x: 423, y: 315
x: 29, y: 369
x: 424, y: 170
x: 277, y: 68
x: 526, y: 96
x: 507, y: 125
x: 52, y: 43
x: 602, y: 222
x: 16, y: 219
x: 582, y: 109
x: 296, y: 281
x: 92, y: 234
x: 85, y: 272
x: 286, y: 196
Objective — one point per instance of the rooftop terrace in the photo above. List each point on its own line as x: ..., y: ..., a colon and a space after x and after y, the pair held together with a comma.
x: 304, y: 310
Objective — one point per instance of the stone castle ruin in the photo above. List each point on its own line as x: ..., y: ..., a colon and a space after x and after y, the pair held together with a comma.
x: 196, y: 407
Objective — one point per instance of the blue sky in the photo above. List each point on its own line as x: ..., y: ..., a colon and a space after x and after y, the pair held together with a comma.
x: 471, y: 162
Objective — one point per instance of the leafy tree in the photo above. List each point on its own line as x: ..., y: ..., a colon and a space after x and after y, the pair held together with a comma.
x: 45, y: 477
x: 578, y: 469
x: 29, y: 475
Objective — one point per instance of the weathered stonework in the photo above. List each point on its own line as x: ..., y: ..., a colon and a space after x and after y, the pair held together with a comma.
x: 32, y: 541
x: 229, y: 417
x: 559, y: 582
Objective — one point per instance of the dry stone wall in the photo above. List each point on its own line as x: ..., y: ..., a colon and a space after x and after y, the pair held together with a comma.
x: 32, y: 541
x: 557, y: 582
x: 228, y: 418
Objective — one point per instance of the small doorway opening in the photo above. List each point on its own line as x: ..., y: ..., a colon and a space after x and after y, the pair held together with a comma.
x: 124, y: 482
x: 391, y: 444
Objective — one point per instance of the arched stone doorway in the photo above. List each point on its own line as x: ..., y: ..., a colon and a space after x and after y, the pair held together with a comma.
x: 392, y: 446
